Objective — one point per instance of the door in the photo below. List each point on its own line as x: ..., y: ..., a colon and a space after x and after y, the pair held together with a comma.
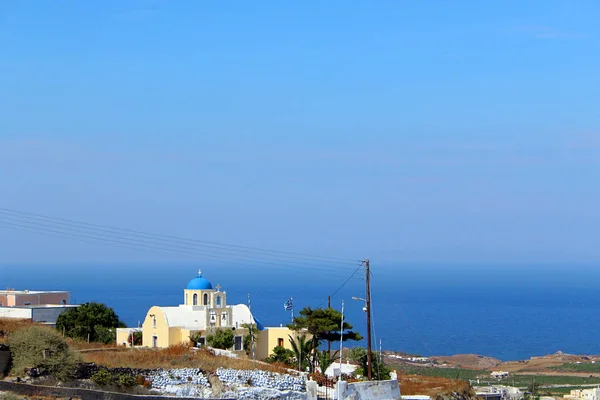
x: 154, y: 341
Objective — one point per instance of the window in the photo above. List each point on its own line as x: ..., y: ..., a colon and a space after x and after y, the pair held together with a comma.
x: 218, y: 301
x: 280, y: 342
x: 195, y: 299
x: 237, y: 343
x: 27, y: 303
x: 205, y: 299
x: 154, y: 323
x: 186, y: 299
x: 64, y: 302
x: 202, y: 342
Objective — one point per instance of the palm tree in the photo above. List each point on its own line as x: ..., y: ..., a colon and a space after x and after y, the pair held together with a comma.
x: 302, y: 349
x: 326, y: 359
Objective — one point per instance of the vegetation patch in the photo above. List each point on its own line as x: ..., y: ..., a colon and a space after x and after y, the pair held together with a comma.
x: 578, y: 367
x: 92, y: 322
x: 180, y: 356
x: 43, y: 349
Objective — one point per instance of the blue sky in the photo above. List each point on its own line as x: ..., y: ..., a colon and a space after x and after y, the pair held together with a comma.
x: 403, y: 131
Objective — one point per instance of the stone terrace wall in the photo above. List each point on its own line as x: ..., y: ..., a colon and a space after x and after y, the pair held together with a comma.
x: 77, y: 393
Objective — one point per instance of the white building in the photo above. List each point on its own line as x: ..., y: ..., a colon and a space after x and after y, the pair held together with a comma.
x: 43, y: 314
x: 584, y: 394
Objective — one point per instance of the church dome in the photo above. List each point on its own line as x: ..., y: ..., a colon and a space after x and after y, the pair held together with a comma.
x: 199, y: 283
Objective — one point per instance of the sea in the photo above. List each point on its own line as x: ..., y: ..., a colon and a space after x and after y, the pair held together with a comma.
x: 510, y: 313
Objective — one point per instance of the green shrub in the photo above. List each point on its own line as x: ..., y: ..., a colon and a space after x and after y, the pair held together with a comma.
x: 221, y: 339
x: 102, y: 377
x: 43, y: 348
x: 9, y: 396
x: 127, y: 381
x: 88, y: 321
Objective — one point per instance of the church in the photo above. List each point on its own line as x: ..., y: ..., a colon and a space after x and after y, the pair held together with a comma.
x: 205, y: 310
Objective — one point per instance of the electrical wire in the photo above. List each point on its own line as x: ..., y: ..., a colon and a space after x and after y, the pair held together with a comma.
x: 133, y: 245
x: 171, y: 238
x: 148, y: 241
x: 343, y: 284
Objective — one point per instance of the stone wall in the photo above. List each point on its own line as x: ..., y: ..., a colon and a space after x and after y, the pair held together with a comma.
x: 371, y: 390
x: 264, y: 379
x: 25, y: 389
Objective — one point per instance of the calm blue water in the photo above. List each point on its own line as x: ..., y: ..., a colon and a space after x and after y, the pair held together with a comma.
x: 505, y: 313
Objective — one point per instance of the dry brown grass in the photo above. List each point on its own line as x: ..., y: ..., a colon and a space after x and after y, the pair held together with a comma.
x: 8, y: 325
x: 431, y: 385
x: 173, y: 357
x: 80, y: 345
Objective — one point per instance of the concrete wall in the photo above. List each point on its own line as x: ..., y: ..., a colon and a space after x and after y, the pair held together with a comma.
x: 47, y: 315
x: 5, y: 360
x: 10, y: 312
x: 372, y: 390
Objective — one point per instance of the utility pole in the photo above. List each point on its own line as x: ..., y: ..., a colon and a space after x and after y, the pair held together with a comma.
x: 368, y: 304
x: 329, y: 341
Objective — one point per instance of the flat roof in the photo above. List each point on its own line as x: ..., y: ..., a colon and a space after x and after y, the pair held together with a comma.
x: 32, y: 291
x: 40, y: 306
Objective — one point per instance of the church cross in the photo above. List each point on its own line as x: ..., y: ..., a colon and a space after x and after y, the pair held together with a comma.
x: 218, y: 287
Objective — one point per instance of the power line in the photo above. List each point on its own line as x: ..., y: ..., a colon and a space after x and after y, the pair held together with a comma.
x: 342, y: 285
x: 248, y: 249
x: 101, y: 235
x: 137, y: 245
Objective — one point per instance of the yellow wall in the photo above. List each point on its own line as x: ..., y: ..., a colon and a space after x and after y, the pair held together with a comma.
x: 122, y: 337
x: 268, y: 339
x: 161, y: 331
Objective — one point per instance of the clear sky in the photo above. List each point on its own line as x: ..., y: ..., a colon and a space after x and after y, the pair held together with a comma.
x: 403, y: 131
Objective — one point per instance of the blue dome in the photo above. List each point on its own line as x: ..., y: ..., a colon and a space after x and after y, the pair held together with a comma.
x: 199, y: 283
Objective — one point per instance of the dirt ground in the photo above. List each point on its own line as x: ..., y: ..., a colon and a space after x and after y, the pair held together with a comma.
x: 538, y: 365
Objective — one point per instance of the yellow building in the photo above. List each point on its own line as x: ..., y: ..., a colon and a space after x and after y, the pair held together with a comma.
x: 205, y: 310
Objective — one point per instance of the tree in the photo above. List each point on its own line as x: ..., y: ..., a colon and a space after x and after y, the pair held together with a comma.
x: 326, y: 359
x: 221, y: 339
x: 323, y: 324
x: 252, y: 332
x: 95, y: 321
x: 195, y: 337
x: 42, y: 348
x: 137, y: 338
x: 281, y: 355
x: 302, y: 348
x: 380, y: 370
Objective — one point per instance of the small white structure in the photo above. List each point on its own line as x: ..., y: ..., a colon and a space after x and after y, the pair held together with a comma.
x: 334, y: 369
x: 499, y: 374
x: 584, y: 394
x: 504, y: 392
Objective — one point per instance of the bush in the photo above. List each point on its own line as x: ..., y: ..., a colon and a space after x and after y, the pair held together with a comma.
x: 127, y: 381
x: 42, y: 348
x: 195, y: 337
x: 103, y: 377
x: 221, y: 339
x: 281, y: 355
x: 91, y: 320
x: 137, y: 338
x: 9, y: 396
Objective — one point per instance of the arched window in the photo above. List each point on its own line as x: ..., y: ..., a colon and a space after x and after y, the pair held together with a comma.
x: 205, y: 299
x: 64, y: 302
x: 218, y: 301
x: 195, y: 299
